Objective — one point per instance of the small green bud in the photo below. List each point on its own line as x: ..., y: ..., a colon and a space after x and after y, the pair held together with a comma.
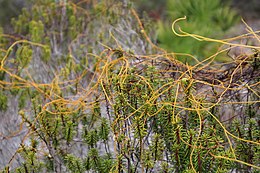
x: 184, y: 81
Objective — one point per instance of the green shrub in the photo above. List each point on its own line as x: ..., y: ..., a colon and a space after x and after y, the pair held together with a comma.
x: 208, y: 18
x: 3, y: 101
x: 97, y: 96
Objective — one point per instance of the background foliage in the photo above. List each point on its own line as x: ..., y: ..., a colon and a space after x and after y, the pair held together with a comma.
x: 207, y: 18
x: 10, y: 9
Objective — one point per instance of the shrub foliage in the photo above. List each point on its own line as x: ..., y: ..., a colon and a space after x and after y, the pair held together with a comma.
x: 92, y: 93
